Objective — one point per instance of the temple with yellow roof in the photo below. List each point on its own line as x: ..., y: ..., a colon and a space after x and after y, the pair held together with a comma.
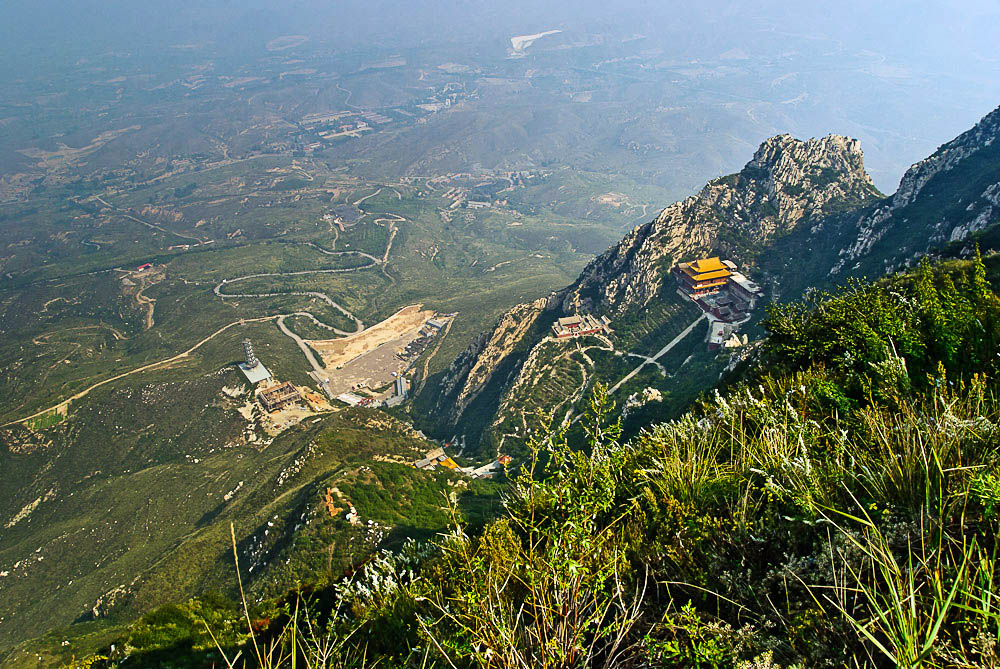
x: 703, y: 277
x: 725, y: 294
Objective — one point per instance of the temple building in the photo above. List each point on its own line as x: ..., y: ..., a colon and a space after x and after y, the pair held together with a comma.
x: 578, y: 326
x: 278, y: 396
x: 726, y: 295
x: 703, y: 277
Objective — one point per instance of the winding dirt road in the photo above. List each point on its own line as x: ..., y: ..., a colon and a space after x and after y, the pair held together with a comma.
x: 144, y: 368
x: 280, y: 318
x: 306, y: 293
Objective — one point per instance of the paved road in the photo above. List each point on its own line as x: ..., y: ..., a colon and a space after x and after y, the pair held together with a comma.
x: 373, y: 262
x: 318, y: 368
x: 218, y: 291
x: 673, y: 342
x: 304, y: 293
x: 308, y: 293
x: 649, y: 360
x: 367, y: 196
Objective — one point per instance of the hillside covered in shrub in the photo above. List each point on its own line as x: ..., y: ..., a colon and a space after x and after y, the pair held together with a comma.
x: 834, y: 505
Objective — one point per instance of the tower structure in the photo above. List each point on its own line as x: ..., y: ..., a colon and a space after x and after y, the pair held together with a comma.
x: 253, y: 369
x: 248, y: 350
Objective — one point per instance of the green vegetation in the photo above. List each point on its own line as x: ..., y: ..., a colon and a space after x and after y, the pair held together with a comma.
x: 157, y: 505
x: 954, y: 195
x: 834, y: 506
x: 926, y: 319
x: 47, y: 419
x: 179, y: 163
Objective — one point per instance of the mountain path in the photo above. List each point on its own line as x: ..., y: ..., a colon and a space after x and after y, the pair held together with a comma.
x: 652, y: 359
x: 280, y: 318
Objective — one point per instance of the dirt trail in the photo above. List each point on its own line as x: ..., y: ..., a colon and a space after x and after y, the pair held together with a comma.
x: 125, y: 214
x: 427, y: 360
x: 388, y: 247
x: 347, y: 100
x: 150, y: 304
x: 64, y: 404
x: 391, y: 223
x: 673, y: 342
x: 153, y: 365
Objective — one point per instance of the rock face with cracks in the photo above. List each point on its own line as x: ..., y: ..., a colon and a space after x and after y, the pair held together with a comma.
x: 471, y: 371
x: 815, y: 191
x: 788, y: 183
x: 972, y: 154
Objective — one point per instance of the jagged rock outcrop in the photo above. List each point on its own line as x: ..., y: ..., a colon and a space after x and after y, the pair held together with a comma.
x: 472, y: 370
x: 977, y: 210
x: 787, y: 182
x: 813, y: 194
x: 947, y: 157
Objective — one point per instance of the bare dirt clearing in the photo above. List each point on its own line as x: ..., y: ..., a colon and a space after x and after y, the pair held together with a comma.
x: 338, y: 352
x: 374, y: 369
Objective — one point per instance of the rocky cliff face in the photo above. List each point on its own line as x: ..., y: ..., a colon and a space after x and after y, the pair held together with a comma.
x: 472, y: 370
x: 789, y: 182
x: 814, y: 194
x: 968, y: 202
x: 946, y: 158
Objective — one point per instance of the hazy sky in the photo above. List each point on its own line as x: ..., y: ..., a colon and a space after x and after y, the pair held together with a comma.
x: 921, y: 32
x: 946, y: 50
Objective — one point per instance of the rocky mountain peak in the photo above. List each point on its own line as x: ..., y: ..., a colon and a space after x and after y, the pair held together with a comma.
x: 981, y: 136
x: 916, y: 218
x: 786, y: 183
x: 783, y: 155
x: 804, y: 177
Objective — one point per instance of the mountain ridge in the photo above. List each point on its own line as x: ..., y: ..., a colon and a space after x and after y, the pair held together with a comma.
x: 786, y: 181
x: 977, y: 215
x: 811, y: 193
